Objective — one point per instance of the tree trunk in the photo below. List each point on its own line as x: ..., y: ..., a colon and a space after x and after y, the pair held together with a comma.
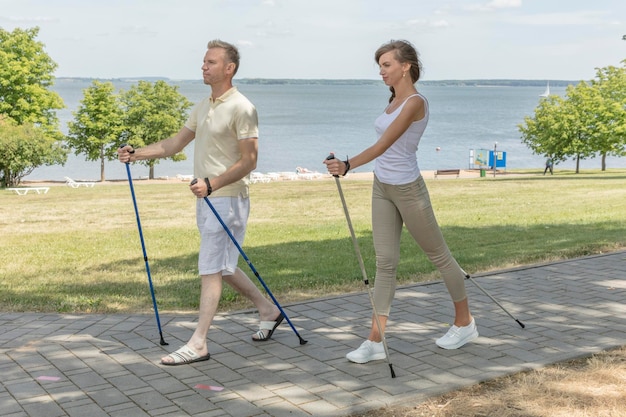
x: 151, y: 174
x: 578, y: 163
x: 603, y: 161
x: 102, y: 164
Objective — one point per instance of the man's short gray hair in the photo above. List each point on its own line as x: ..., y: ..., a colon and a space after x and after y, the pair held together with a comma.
x: 232, y: 53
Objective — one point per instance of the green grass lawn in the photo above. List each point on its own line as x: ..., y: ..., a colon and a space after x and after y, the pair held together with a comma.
x: 78, y: 250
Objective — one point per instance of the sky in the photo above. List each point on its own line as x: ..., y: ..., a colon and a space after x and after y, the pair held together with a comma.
x: 327, y: 39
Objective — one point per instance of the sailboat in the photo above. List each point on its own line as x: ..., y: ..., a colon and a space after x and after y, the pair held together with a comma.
x: 547, y: 92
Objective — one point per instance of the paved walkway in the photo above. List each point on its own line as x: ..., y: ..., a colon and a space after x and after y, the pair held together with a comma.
x: 107, y: 365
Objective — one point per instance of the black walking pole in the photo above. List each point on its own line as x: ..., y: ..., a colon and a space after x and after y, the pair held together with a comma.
x: 145, y: 256
x: 467, y: 276
x: 362, y: 265
x: 245, y: 257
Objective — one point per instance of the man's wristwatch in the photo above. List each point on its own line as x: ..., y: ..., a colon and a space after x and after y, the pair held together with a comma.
x: 209, y: 189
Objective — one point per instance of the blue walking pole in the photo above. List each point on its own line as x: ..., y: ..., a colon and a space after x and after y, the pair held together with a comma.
x: 245, y: 257
x: 145, y: 256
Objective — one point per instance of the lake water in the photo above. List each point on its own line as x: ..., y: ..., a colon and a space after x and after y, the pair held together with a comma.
x: 300, y: 124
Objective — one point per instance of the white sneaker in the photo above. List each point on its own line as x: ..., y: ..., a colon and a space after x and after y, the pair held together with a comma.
x: 368, y: 351
x: 458, y: 336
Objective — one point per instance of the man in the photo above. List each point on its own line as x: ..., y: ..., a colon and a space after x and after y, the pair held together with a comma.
x: 225, y: 129
x: 549, y: 166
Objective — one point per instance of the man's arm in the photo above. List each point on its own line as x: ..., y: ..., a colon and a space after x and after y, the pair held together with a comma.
x: 162, y: 149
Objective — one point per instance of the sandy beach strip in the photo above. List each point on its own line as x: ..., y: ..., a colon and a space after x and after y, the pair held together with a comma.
x: 359, y: 176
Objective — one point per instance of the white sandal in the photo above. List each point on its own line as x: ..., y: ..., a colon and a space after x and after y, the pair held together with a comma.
x: 270, y: 326
x: 185, y: 355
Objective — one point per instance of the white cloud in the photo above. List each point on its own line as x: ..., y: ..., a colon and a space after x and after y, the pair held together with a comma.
x: 495, y: 5
x: 29, y: 20
x: 439, y: 24
x: 578, y: 18
x: 424, y: 23
x: 505, y: 4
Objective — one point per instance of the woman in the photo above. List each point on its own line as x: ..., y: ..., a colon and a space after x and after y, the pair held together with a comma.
x: 399, y: 196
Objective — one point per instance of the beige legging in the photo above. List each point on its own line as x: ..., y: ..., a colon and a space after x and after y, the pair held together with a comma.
x: 409, y: 204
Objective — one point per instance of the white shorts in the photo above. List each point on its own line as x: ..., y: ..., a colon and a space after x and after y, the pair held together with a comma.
x: 217, y: 250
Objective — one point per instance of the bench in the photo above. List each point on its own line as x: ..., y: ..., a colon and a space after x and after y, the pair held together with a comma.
x: 456, y: 172
x: 25, y: 190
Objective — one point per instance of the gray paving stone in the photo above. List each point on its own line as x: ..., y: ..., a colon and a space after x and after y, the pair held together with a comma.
x: 129, y: 410
x: 9, y: 405
x: 43, y: 409
x: 91, y: 410
x: 109, y: 364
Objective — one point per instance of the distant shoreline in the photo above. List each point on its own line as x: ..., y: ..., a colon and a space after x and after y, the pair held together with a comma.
x: 314, y: 81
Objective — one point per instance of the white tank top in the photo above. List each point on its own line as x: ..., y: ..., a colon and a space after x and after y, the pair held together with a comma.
x: 398, y: 164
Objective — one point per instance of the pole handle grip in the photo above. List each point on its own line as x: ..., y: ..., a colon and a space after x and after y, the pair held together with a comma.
x: 328, y: 158
x: 123, y: 145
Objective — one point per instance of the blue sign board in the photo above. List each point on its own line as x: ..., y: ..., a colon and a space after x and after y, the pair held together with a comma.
x: 500, y: 159
x: 484, y: 158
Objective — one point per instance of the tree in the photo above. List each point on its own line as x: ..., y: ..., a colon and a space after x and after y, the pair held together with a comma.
x: 23, y: 148
x: 589, y: 121
x: 29, y: 126
x: 544, y: 132
x: 610, y: 109
x: 25, y: 78
x: 153, y: 111
x: 556, y: 131
x: 97, y: 124
x: 578, y: 115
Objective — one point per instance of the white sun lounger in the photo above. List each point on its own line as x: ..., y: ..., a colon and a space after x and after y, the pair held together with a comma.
x: 25, y: 190
x: 74, y: 184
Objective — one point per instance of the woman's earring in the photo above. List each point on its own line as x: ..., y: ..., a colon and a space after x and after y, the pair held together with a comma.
x: 404, y: 74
